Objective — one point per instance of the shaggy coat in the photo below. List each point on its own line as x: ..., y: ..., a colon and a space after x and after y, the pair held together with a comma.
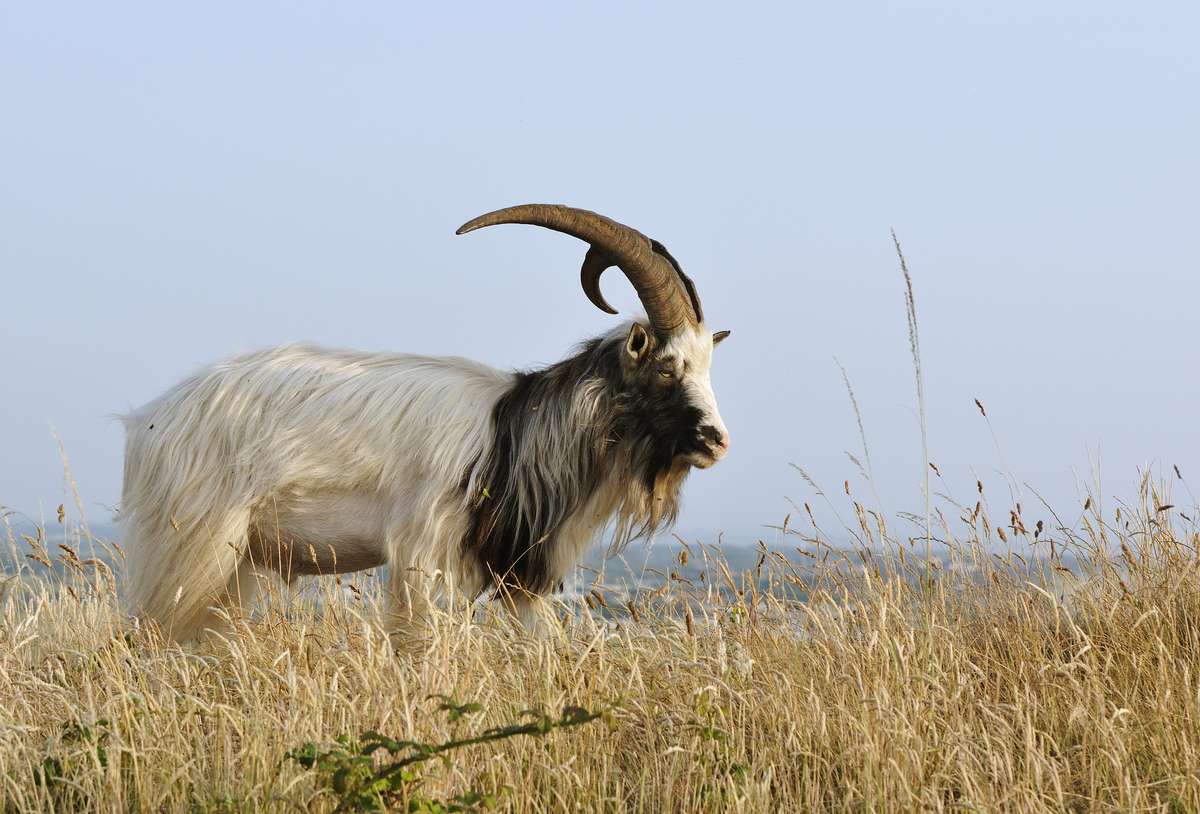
x: 459, y: 477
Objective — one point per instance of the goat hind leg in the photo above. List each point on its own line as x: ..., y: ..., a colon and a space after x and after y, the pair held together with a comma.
x: 175, y: 582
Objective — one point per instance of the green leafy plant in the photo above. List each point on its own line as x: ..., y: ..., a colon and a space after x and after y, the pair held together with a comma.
x: 78, y: 745
x: 351, y: 770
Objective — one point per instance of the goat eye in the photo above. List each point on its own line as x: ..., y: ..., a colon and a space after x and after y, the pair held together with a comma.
x: 666, y: 372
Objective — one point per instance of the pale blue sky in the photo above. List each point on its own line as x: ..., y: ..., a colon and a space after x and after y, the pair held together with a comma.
x: 182, y: 183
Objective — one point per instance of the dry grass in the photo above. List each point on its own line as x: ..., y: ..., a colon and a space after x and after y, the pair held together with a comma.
x: 830, y: 680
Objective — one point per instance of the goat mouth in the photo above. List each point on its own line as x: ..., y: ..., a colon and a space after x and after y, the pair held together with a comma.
x: 703, y: 459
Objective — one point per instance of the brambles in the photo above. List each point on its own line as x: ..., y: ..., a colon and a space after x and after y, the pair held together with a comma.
x: 361, y: 781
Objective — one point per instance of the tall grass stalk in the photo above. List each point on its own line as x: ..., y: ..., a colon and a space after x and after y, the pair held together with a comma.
x: 914, y: 342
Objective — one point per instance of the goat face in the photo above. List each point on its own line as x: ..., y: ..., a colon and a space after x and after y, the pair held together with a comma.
x: 667, y: 396
x: 667, y: 406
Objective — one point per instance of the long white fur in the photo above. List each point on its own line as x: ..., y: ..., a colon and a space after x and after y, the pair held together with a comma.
x: 310, y: 441
x: 363, y: 454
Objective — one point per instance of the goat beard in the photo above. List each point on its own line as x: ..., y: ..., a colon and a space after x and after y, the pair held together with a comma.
x: 641, y: 509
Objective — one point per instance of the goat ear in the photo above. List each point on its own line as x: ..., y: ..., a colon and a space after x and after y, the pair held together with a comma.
x: 637, y: 344
x: 719, y: 336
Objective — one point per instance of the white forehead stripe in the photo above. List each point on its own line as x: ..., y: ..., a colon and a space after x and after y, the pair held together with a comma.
x: 694, y: 346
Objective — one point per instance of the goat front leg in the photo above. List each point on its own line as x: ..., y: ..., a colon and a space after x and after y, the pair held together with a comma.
x: 534, y: 612
x: 409, y: 609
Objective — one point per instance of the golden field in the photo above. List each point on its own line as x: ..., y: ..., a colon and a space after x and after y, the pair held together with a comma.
x: 869, y: 678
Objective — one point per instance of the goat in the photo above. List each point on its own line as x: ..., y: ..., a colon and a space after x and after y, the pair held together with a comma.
x: 458, y: 477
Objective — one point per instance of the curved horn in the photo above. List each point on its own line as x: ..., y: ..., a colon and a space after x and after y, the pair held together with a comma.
x: 668, y: 296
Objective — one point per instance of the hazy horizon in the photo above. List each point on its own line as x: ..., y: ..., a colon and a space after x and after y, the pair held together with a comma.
x: 183, y: 184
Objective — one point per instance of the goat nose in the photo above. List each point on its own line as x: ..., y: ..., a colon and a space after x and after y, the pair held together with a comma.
x: 716, y: 437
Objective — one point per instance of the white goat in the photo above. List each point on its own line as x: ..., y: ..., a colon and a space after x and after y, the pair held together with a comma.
x: 458, y: 477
